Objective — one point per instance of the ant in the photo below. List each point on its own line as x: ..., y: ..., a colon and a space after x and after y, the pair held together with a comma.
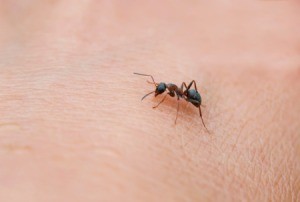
x: 190, y: 95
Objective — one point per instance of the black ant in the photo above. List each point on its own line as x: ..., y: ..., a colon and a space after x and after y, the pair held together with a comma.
x: 190, y: 95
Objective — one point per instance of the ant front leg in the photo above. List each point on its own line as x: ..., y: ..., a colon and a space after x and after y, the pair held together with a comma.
x: 160, y: 102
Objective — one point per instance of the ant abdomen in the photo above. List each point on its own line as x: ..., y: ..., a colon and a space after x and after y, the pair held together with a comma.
x: 194, y: 97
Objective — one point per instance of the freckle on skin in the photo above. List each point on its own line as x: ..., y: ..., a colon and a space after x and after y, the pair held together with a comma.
x: 9, y: 125
x: 16, y: 148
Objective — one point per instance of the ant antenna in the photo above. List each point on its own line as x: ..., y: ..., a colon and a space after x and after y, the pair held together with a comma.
x: 151, y: 82
x: 147, y: 95
x: 146, y: 75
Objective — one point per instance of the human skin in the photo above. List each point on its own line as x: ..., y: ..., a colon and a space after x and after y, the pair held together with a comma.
x: 73, y: 127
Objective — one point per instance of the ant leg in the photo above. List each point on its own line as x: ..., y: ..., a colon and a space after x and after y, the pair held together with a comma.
x: 177, y: 111
x: 186, y: 87
x: 146, y: 75
x: 147, y: 94
x: 195, y: 85
x: 177, y: 108
x: 183, y: 84
x: 183, y: 92
x: 189, y: 86
x: 202, y: 118
x: 160, y: 101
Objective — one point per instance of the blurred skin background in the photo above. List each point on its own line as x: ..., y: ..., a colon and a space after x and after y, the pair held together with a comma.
x: 73, y: 128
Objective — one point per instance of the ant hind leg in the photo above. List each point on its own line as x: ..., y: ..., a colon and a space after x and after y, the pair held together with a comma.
x: 189, y: 86
x: 183, y: 84
x: 177, y: 111
x: 202, y: 119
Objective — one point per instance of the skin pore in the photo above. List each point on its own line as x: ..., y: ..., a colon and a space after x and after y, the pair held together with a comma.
x: 73, y: 127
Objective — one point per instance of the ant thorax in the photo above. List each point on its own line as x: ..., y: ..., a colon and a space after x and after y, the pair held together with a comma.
x: 171, y: 87
x: 174, y: 90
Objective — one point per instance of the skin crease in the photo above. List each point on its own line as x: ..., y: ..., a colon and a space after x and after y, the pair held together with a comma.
x: 73, y: 128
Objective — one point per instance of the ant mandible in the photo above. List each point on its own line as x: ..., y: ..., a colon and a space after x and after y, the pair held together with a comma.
x: 190, y: 95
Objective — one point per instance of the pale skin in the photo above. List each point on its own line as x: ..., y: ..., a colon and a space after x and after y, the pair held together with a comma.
x: 73, y: 127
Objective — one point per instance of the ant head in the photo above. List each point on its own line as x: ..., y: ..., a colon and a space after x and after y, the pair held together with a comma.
x: 160, y: 88
x: 194, y: 97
